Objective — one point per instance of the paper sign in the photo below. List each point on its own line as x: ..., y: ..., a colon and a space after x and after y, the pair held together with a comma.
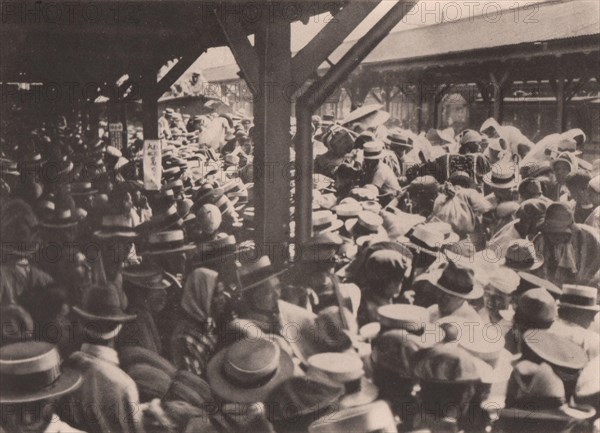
x: 115, y: 133
x: 152, y: 165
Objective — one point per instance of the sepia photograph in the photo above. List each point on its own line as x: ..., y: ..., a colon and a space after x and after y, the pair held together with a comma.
x: 299, y: 216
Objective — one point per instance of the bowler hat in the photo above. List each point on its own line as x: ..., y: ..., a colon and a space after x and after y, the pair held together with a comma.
x: 31, y: 371
x: 248, y: 370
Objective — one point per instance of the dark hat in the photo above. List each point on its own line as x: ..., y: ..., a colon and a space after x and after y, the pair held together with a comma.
x: 297, y: 397
x: 388, y: 264
x: 424, y: 184
x: 373, y: 417
x: 151, y: 382
x: 558, y: 219
x: 248, y: 370
x: 448, y: 363
x: 102, y: 304
x: 454, y: 279
x: 82, y: 188
x: 395, y: 351
x: 530, y: 187
x: 146, y: 277
x: 17, y: 324
x: 579, y: 297
x: 164, y: 219
x: 256, y: 273
x: 554, y: 349
x: 461, y: 178
x: 536, y: 308
x: 31, y: 371
x: 187, y: 386
x: 219, y: 249
x: 521, y: 255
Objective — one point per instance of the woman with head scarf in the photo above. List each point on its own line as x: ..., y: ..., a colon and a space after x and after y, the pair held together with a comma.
x: 529, y: 217
x: 570, y: 250
x: 194, y: 337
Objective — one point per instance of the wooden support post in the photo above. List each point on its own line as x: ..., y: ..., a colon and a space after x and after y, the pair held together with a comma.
x: 560, y: 102
x: 420, y: 105
x: 272, y: 150
x: 498, y: 87
x: 150, y: 105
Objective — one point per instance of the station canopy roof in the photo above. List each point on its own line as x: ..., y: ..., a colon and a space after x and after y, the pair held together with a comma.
x: 89, y: 41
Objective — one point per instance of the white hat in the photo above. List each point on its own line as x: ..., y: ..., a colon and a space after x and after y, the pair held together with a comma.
x: 376, y: 416
x: 595, y: 184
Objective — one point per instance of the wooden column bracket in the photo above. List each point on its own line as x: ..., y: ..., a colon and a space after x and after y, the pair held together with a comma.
x: 243, y: 51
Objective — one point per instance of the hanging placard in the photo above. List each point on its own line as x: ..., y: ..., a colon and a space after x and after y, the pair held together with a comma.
x: 152, y: 165
x: 115, y: 133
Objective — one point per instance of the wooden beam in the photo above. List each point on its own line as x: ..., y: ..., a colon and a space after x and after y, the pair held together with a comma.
x: 242, y: 50
x: 308, y: 59
x: 560, y: 102
x: 272, y: 149
x: 175, y: 73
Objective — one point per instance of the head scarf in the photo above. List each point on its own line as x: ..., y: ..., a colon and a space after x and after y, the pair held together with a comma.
x: 198, y: 292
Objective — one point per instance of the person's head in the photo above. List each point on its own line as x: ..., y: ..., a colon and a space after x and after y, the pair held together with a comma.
x: 385, y: 272
x: 503, y: 194
x: 470, y: 142
x: 558, y: 224
x: 562, y: 168
x: 447, y: 303
x: 530, y: 188
x: 530, y: 216
x: 577, y: 183
x: 535, y: 309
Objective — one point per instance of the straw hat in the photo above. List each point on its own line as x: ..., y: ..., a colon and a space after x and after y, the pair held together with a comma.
x: 167, y: 242
x: 501, y: 176
x: 370, y: 115
x: 31, y: 371
x: 521, y: 255
x: 579, y: 297
x: 116, y: 226
x: 345, y: 369
x: 248, y: 370
x: 366, y: 223
x: 411, y: 318
x: 324, y: 221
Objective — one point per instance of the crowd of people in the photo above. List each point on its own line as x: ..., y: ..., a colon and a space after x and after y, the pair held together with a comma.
x: 450, y: 285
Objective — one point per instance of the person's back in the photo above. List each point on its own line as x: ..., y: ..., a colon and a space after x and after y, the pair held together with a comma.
x: 107, y: 400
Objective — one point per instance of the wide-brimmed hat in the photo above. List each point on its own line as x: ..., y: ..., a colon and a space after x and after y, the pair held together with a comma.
x: 539, y: 396
x: 536, y: 308
x: 257, y: 272
x: 347, y: 208
x: 579, y: 297
x: 60, y: 218
x: 345, y: 369
x: 248, y: 370
x: 116, y: 226
x: 297, y: 397
x: 521, y: 255
x: 395, y: 350
x: 102, y: 303
x: 220, y: 249
x: 321, y: 248
x: 376, y: 416
x: 501, y: 176
x: 411, y: 318
x: 396, y: 140
x: 167, y: 242
x: 587, y: 389
x: 82, y: 189
x: 365, y: 224
x: 8, y: 166
x: 454, y: 279
x: 324, y: 221
x: 146, y: 277
x: 530, y: 281
x: 556, y: 350
x: 364, y: 193
x: 31, y: 371
x: 450, y: 363
x: 431, y: 237
x: 373, y: 150
x: 558, y: 219
x: 371, y: 115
